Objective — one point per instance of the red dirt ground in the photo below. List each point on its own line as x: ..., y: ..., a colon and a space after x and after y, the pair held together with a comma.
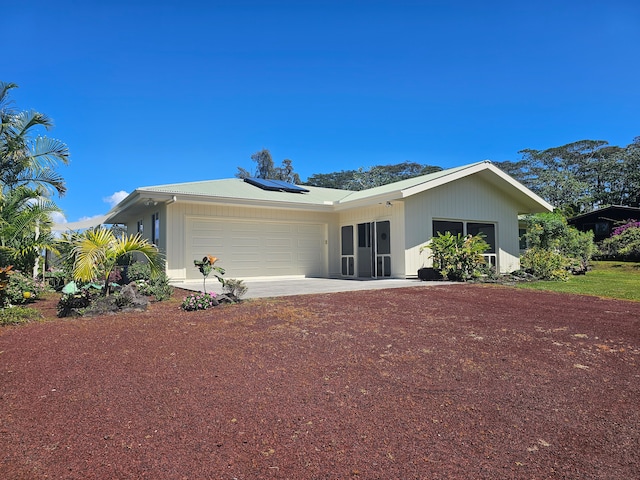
x: 459, y: 382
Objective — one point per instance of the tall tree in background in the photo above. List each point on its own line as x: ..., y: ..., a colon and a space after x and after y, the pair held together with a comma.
x: 375, y: 176
x: 631, y: 171
x: 580, y: 176
x: 266, y: 168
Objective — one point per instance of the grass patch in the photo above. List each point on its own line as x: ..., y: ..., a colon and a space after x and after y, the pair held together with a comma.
x: 607, y: 279
x: 18, y: 315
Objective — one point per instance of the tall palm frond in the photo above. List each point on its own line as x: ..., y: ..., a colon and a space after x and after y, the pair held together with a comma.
x: 25, y: 160
x: 5, y: 101
x: 90, y: 252
x: 97, y: 251
x: 25, y: 226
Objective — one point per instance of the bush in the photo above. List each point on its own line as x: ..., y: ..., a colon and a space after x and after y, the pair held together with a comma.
x: 234, y: 288
x: 21, y: 289
x: 624, y: 246
x: 144, y: 287
x: 56, y: 278
x: 579, y: 247
x: 456, y: 257
x: 74, y: 302
x: 199, y: 301
x: 545, y: 264
x: 158, y: 287
x: 138, y: 271
x: 566, y: 247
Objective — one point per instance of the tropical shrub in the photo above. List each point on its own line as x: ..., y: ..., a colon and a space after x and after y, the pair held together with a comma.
x: 545, y: 230
x: 21, y: 289
x: 622, y: 228
x: 578, y: 247
x: 139, y: 271
x: 5, y: 275
x: 624, y: 244
x: 234, y: 288
x: 199, y: 301
x: 554, y: 246
x: 457, y: 257
x: 545, y: 264
x: 73, y: 302
x: 56, y: 278
x: 160, y: 287
x: 144, y: 287
x: 97, y: 252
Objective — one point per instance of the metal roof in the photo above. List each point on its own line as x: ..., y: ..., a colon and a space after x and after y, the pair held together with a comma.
x: 237, y: 191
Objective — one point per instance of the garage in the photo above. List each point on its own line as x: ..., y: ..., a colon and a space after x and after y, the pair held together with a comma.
x: 258, y: 248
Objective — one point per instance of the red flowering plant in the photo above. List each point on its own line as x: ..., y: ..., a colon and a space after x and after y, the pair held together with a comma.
x: 206, y: 266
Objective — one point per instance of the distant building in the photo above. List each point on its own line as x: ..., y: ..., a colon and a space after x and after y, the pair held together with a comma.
x: 603, y: 221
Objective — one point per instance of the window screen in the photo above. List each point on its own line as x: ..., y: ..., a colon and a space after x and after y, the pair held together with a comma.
x: 347, y: 240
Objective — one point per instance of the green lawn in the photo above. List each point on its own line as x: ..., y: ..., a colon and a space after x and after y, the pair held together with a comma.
x: 606, y: 279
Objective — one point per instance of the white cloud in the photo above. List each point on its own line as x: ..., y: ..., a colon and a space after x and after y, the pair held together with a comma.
x: 58, y: 217
x: 84, y: 219
x: 116, y: 198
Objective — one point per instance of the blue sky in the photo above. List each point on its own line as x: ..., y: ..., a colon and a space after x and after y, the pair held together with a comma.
x: 153, y: 92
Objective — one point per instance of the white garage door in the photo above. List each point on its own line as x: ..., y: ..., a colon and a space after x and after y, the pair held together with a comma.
x: 257, y: 249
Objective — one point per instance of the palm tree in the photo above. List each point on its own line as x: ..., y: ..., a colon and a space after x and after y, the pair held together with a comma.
x: 25, y: 160
x: 97, y: 251
x: 25, y: 220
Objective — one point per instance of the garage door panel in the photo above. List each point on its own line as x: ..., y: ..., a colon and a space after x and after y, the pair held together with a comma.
x: 256, y: 249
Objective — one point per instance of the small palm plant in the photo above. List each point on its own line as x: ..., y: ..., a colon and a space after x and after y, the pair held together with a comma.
x: 96, y: 252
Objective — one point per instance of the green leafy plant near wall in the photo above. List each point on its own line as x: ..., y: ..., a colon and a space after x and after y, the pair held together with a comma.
x: 457, y: 257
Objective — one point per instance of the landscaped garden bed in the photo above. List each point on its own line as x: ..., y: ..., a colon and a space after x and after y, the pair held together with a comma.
x: 462, y: 381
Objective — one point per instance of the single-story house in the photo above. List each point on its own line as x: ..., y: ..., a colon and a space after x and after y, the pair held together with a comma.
x: 603, y: 221
x: 259, y: 229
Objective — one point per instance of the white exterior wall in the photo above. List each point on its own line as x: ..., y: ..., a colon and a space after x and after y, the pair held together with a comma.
x: 180, y: 214
x: 147, y: 227
x: 468, y: 199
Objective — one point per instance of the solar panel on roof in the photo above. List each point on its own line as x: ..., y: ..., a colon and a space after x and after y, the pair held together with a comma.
x: 275, y: 185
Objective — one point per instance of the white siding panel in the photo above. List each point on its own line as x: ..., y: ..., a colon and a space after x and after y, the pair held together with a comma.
x: 258, y: 248
x: 469, y: 199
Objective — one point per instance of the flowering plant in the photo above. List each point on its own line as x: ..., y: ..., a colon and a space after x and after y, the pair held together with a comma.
x: 206, y: 266
x: 630, y: 224
x: 199, y: 301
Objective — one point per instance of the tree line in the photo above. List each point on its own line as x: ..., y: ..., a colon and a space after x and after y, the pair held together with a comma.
x: 581, y: 176
x: 355, y: 180
x: 576, y: 178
